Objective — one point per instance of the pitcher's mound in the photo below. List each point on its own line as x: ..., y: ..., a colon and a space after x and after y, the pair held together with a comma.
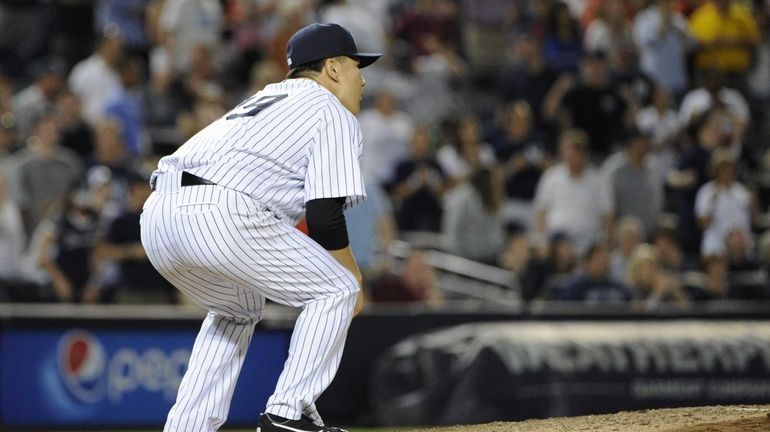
x: 741, y: 418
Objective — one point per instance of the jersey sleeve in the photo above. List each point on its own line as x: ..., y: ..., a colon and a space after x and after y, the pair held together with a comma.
x: 333, y: 169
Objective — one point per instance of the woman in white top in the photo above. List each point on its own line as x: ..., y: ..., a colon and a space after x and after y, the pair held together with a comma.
x: 722, y: 205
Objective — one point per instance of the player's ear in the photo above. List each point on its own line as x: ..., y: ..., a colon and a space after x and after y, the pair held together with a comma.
x: 332, y: 67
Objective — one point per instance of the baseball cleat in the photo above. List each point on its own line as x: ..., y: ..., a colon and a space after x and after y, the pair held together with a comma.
x: 274, y: 423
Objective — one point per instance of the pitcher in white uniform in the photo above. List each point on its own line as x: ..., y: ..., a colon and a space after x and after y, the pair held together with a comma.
x: 220, y: 227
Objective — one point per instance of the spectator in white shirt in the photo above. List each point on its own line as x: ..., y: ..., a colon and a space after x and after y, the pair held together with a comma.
x: 713, y: 92
x: 722, y: 205
x: 571, y: 196
x: 387, y: 132
x: 662, y: 123
x: 96, y: 79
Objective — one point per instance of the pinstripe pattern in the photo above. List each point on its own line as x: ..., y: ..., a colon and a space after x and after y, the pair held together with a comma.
x: 231, y: 245
x: 300, y: 148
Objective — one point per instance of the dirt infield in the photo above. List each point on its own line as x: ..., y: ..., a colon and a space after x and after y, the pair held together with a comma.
x: 743, y: 418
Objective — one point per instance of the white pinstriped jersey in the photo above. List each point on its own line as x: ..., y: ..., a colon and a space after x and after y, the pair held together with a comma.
x: 290, y: 143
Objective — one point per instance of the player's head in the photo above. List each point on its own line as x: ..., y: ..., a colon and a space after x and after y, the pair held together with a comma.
x: 328, y: 54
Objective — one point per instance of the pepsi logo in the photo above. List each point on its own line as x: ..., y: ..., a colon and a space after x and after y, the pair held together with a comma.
x: 82, y: 365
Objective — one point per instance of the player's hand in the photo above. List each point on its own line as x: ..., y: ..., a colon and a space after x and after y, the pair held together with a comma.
x: 360, y: 303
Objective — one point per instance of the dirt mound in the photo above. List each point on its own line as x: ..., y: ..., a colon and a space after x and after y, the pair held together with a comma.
x: 743, y: 418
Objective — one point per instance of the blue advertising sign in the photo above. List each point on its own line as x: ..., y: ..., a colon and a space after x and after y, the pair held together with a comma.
x: 117, y: 377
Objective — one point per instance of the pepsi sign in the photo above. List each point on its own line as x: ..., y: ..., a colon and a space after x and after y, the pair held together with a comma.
x: 117, y: 377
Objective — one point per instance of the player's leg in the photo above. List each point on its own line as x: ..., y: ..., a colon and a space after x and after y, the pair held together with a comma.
x: 204, y: 395
x: 203, y: 399
x: 290, y: 268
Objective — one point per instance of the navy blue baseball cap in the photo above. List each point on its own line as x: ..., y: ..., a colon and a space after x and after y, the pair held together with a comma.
x: 320, y: 41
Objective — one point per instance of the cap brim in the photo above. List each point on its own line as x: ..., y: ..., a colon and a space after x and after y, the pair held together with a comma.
x: 365, y: 59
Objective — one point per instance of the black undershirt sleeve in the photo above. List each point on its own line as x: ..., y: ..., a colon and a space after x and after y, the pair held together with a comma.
x: 326, y: 222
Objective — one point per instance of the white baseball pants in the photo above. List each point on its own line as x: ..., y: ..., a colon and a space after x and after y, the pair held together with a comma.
x: 228, y: 253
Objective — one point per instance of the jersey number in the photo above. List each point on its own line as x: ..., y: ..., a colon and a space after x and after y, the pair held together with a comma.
x: 253, y: 107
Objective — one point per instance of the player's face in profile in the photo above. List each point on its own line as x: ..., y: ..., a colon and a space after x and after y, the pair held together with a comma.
x: 351, y: 84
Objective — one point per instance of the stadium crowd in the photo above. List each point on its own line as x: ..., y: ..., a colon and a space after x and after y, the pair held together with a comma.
x: 602, y: 150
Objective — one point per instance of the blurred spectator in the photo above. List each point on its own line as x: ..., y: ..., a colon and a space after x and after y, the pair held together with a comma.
x: 715, y: 286
x: 199, y: 84
x: 109, y: 148
x: 554, y: 264
x: 727, y: 36
x: 27, y: 27
x: 465, y: 152
x: 652, y: 286
x: 60, y: 168
x: 519, y: 257
x: 635, y: 188
x: 263, y: 73
x: 472, y: 224
x: 12, y: 238
x: 662, y: 123
x: 713, y: 93
x: 365, y: 27
x: 746, y: 279
x: 74, y: 29
x: 67, y: 249
x: 138, y: 281
x: 609, y: 29
x: 485, y: 29
x: 7, y: 146
x: 633, y: 84
x: 435, y: 76
x: 722, y: 205
x: 128, y: 17
x: 759, y: 78
x: 417, y: 283
x: 126, y: 106
x: 571, y: 196
x: 96, y: 78
x: 692, y: 172
x: 39, y: 97
x: 422, y: 23
x: 671, y: 256
x: 593, y: 285
x: 291, y: 16
x: 593, y: 104
x: 190, y: 23
x: 418, y: 187
x: 520, y: 152
x: 664, y: 40
x: 529, y: 78
x: 628, y: 235
x: 386, y: 132
x: 562, y: 46
x: 76, y: 134
x: 372, y: 228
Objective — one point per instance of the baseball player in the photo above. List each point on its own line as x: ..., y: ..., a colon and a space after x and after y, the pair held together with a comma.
x: 220, y: 227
